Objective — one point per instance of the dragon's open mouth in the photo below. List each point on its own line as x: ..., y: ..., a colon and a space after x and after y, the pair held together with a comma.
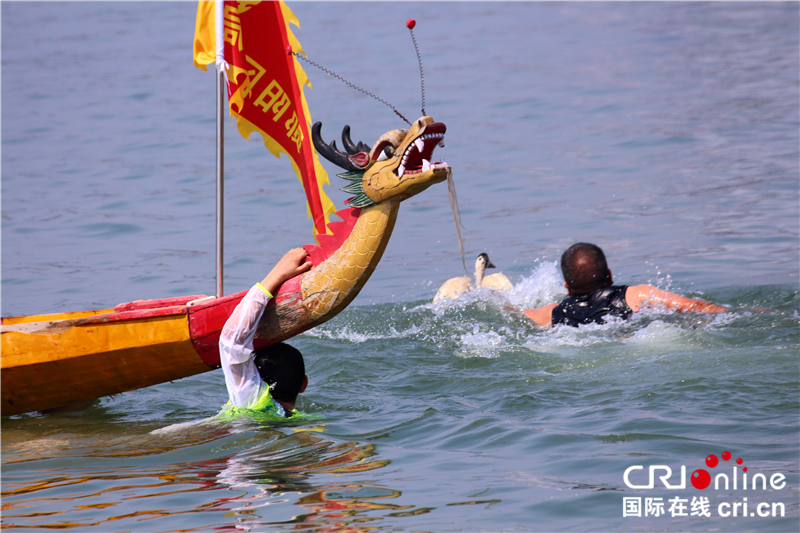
x: 417, y: 157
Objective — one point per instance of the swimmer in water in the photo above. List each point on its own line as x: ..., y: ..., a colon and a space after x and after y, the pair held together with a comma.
x: 270, y: 379
x: 592, y: 294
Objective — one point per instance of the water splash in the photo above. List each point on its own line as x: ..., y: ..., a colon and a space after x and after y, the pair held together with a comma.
x: 544, y: 285
x: 483, y: 343
x: 487, y: 324
x: 349, y: 333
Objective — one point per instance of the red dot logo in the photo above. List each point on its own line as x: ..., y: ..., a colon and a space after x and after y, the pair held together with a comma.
x: 739, y: 461
x: 726, y: 456
x: 712, y: 461
x: 744, y: 469
x: 700, y: 479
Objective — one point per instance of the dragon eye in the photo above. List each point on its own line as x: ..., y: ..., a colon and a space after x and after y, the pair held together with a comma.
x: 386, y: 152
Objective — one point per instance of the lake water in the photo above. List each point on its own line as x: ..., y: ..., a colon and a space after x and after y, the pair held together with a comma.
x: 667, y: 133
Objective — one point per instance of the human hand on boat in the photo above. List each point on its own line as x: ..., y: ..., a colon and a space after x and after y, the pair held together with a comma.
x: 292, y: 264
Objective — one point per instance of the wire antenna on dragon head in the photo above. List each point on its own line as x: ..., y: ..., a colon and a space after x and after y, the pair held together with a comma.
x: 410, y: 25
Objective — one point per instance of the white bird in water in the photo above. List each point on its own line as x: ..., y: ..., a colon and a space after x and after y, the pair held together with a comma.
x: 453, y: 288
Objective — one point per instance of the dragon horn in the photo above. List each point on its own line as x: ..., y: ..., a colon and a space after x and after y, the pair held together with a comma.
x: 330, y: 152
x: 351, y: 148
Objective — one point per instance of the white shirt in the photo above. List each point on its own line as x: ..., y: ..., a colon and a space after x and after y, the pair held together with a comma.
x: 236, y: 349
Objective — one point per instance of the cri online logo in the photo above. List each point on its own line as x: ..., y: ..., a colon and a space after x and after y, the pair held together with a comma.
x: 701, y: 478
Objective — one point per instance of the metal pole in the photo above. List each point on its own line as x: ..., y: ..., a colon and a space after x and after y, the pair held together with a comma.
x: 220, y: 175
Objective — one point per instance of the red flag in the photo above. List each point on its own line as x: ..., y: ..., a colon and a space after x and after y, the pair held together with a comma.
x: 265, y: 86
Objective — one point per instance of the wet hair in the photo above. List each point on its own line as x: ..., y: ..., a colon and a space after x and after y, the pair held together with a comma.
x: 585, y: 268
x: 282, y: 368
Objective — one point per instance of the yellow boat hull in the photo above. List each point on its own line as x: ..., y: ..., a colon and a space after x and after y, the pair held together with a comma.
x: 55, y: 362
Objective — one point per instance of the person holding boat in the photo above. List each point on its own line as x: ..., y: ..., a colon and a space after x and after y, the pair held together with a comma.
x: 270, y: 379
x: 592, y: 294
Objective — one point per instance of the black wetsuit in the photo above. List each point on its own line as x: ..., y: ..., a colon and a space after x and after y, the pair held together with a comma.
x: 592, y: 306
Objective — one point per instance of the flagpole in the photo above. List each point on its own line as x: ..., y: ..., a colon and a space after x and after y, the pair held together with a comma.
x: 220, y: 176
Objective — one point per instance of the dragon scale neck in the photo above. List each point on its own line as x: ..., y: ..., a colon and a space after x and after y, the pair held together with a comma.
x: 332, y: 285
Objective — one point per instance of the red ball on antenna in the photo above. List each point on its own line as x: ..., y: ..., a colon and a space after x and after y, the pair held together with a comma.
x: 411, y: 23
x: 289, y: 50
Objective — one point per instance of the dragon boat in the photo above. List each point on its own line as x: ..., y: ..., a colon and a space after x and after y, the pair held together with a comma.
x: 52, y: 361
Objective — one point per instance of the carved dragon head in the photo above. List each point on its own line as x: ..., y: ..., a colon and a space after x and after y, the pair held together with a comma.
x: 397, y: 166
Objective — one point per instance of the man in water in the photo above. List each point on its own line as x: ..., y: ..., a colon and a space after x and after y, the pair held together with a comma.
x: 592, y: 295
x: 270, y: 379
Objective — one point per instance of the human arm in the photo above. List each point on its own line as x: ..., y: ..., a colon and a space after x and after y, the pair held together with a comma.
x: 543, y: 316
x: 638, y: 296
x: 290, y: 265
x: 236, y: 340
